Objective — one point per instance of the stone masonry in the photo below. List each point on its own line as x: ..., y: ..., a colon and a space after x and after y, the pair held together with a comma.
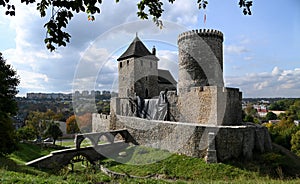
x: 201, y: 105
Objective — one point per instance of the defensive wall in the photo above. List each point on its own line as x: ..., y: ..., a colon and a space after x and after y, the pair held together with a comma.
x: 100, y: 122
x: 211, y: 105
x: 192, y: 139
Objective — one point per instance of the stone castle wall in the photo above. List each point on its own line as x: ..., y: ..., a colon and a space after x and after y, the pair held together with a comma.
x: 146, y: 77
x: 210, y: 105
x: 100, y: 122
x: 138, y: 75
x: 174, y: 114
x: 191, y: 139
x: 126, y: 72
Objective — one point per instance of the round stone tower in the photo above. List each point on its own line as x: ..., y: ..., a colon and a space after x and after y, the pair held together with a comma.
x: 200, y: 59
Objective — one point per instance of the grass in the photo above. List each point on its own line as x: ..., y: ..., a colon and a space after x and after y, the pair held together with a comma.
x: 271, y: 168
x: 70, y: 143
x: 27, y: 152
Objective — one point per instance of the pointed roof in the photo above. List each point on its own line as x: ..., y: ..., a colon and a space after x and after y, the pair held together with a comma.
x: 136, y: 49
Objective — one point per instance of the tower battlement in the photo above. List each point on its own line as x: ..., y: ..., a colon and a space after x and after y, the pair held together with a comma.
x: 201, y: 33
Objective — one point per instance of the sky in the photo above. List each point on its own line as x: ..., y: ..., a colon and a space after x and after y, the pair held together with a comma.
x: 261, y: 51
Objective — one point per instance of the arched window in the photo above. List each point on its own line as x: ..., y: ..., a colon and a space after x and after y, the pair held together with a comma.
x: 127, y: 62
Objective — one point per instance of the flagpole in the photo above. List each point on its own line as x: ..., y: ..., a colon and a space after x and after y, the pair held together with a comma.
x: 204, y: 18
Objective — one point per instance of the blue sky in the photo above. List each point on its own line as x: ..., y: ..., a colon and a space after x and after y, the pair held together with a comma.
x: 261, y: 51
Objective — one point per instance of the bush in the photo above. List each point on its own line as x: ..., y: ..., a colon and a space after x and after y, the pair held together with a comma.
x: 271, y: 116
x: 7, y: 135
x: 25, y: 133
x: 295, y: 142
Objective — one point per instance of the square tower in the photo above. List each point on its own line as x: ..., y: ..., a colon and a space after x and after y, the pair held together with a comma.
x: 138, y: 73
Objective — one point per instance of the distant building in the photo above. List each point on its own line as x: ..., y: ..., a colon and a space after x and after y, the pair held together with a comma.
x: 85, y: 93
x: 274, y: 121
x: 261, y: 110
x: 55, y: 96
x: 277, y: 112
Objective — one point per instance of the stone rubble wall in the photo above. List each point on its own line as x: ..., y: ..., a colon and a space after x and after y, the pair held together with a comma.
x: 191, y: 139
x: 100, y: 122
x: 174, y: 114
x: 211, y: 105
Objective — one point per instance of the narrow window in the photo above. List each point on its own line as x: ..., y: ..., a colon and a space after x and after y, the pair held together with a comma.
x: 120, y: 64
x: 150, y: 64
x: 146, y: 93
x: 127, y: 62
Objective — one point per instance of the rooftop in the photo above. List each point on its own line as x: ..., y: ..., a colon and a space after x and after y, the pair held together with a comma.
x: 136, y: 49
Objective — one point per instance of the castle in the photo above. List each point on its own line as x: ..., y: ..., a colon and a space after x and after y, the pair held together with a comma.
x: 200, y: 117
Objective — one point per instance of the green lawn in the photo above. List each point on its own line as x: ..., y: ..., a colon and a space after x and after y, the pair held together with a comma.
x: 164, y: 167
x: 268, y: 168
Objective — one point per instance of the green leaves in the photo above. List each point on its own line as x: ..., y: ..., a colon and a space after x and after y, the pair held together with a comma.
x: 202, y: 4
x: 54, y: 27
x: 246, y: 5
x: 154, y: 8
x: 8, y: 87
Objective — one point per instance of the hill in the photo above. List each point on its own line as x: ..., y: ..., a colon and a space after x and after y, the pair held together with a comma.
x: 272, y: 167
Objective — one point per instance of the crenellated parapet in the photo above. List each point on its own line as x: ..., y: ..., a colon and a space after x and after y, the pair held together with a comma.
x: 101, y: 116
x: 201, y: 33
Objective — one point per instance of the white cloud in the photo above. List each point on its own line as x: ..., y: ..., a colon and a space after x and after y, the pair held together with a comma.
x: 248, y: 58
x: 276, y: 71
x: 168, y: 60
x: 235, y: 49
x: 33, y: 81
x: 41, y: 70
x: 182, y: 12
x: 277, y: 83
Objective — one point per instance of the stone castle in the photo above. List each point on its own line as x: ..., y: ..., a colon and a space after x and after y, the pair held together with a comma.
x: 198, y: 116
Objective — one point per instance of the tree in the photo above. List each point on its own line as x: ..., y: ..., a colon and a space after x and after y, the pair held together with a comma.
x: 271, y: 116
x: 85, y: 122
x: 8, y: 90
x: 25, y: 133
x: 62, y: 13
x: 54, y: 131
x: 38, y: 121
x: 249, y: 110
x: 71, y: 125
x: 295, y: 142
x: 8, y: 106
x: 248, y: 118
x: 8, y: 140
